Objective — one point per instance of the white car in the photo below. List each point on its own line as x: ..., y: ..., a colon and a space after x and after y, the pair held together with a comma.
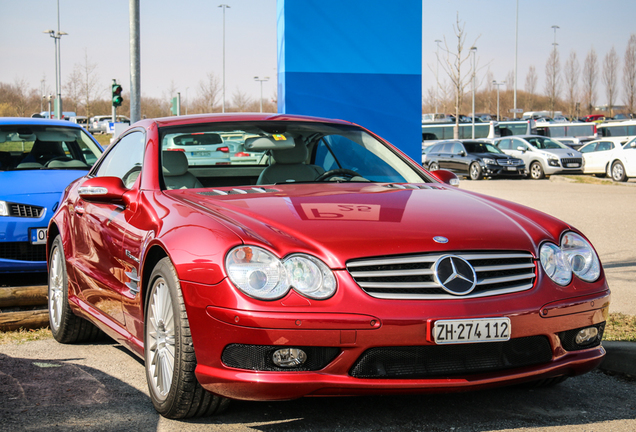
x: 542, y: 155
x: 609, y: 156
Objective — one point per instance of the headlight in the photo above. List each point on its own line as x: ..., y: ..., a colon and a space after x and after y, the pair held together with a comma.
x: 310, y: 277
x: 574, y: 256
x: 581, y: 256
x: 4, y: 208
x: 489, y: 161
x: 260, y: 274
x: 553, y: 162
x: 257, y: 272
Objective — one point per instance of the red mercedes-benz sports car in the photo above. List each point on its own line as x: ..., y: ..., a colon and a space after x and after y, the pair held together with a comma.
x: 315, y: 260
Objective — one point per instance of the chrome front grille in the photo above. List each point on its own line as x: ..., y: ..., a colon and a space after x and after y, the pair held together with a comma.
x: 509, y: 162
x: 412, y: 276
x: 566, y: 161
x: 27, y: 211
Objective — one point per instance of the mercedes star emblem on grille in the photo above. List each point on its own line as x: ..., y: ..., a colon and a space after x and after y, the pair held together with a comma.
x: 455, y: 275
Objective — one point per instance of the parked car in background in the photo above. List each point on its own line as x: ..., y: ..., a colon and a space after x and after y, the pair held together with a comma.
x: 334, y: 266
x: 473, y: 159
x: 80, y: 120
x: 99, y: 124
x: 38, y: 159
x: 542, y: 155
x: 612, y: 157
x: 593, y: 118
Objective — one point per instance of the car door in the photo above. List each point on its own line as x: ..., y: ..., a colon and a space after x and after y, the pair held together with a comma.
x: 459, y: 159
x: 444, y: 157
x: 595, y: 155
x: 521, y: 150
x: 101, y: 265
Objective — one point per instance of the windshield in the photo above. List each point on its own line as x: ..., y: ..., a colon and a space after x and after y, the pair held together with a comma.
x: 480, y: 147
x: 263, y: 153
x: 544, y: 143
x: 31, y: 147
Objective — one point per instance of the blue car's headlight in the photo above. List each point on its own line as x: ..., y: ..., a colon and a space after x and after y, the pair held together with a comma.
x: 4, y: 208
x: 260, y: 274
x: 575, y: 255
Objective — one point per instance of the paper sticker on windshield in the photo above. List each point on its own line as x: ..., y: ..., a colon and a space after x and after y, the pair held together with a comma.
x: 279, y: 137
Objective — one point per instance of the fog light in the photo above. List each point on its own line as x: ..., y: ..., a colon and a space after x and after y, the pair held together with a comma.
x: 289, y: 357
x: 586, y: 335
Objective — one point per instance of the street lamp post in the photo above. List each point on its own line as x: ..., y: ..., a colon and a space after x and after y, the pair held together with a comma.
x: 261, y: 81
x: 495, y: 83
x: 58, y: 80
x: 516, y: 51
x: 554, y: 74
x: 473, y: 50
x: 224, y: 6
x: 437, y: 41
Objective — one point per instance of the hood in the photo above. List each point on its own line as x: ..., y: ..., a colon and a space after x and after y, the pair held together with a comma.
x: 562, y: 153
x: 491, y: 155
x: 338, y: 222
x: 16, y: 184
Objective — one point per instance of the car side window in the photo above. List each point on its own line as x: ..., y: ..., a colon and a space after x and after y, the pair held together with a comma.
x: 125, y: 159
x: 447, y: 148
x: 517, y: 143
x: 588, y: 148
x: 605, y: 146
x: 504, y: 144
x: 457, y: 148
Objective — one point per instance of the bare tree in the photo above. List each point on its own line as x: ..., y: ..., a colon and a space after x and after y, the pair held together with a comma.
x: 210, y: 89
x: 89, y: 83
x: 571, y: 73
x: 453, y: 68
x: 590, y: 75
x: 629, y: 74
x: 531, y: 86
x: 553, y: 79
x: 73, y: 88
x: 240, y: 101
x: 610, y: 78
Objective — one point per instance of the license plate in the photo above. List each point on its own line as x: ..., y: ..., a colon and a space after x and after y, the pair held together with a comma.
x: 38, y: 236
x: 201, y: 154
x: 572, y: 165
x: 511, y: 168
x: 472, y: 330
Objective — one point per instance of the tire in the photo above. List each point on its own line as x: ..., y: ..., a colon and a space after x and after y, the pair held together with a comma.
x: 170, y: 360
x: 599, y: 175
x: 433, y: 166
x: 536, y: 171
x: 618, y: 172
x: 475, y: 172
x: 66, y: 327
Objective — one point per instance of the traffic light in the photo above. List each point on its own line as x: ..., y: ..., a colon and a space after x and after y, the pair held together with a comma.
x: 117, y: 99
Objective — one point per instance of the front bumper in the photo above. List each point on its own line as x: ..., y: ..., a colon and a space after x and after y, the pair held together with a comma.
x: 17, y: 252
x: 491, y: 170
x: 215, y: 328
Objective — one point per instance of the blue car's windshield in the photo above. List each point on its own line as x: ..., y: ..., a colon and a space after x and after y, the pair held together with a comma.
x: 31, y: 147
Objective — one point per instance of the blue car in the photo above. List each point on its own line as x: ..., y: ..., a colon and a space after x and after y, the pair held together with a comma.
x: 38, y: 159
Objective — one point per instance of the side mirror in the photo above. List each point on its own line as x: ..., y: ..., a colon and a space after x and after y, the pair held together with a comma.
x: 522, y: 149
x: 462, y: 153
x: 633, y: 144
x: 445, y: 176
x: 103, y: 189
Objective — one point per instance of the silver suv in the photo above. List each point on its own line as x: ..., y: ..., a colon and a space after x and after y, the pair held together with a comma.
x: 542, y: 155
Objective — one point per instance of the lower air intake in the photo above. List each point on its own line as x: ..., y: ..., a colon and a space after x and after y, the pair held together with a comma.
x: 440, y: 361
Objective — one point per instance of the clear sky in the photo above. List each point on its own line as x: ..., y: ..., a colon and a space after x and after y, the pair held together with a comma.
x: 181, y: 41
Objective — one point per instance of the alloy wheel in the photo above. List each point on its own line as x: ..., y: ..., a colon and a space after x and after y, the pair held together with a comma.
x: 160, y: 340
x: 56, y: 287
